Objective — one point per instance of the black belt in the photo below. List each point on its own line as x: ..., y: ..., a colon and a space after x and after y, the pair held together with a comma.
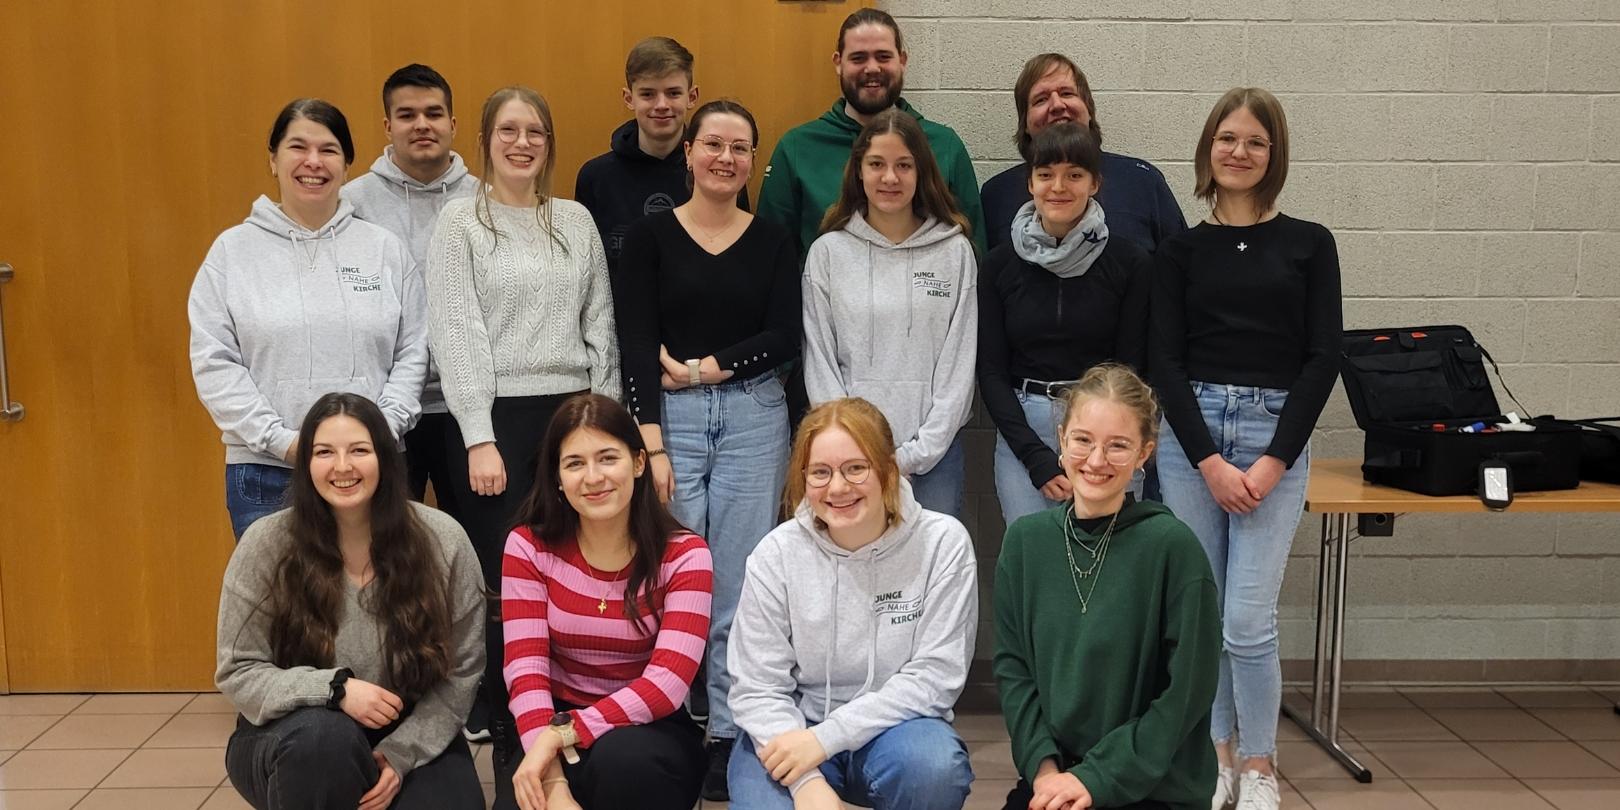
x: 1044, y: 388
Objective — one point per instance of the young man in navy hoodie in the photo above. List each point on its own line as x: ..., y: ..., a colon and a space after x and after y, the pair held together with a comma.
x: 644, y: 171
x: 409, y: 183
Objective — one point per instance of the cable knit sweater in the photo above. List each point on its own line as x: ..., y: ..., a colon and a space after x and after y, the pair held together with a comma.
x: 512, y: 314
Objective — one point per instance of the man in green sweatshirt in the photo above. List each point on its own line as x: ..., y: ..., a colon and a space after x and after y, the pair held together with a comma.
x: 807, y: 168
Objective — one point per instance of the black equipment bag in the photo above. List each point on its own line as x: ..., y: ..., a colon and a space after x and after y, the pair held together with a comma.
x: 1600, y: 448
x: 1412, y: 388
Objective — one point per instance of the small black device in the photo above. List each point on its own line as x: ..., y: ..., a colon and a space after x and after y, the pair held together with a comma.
x: 1495, y: 484
x: 1376, y: 524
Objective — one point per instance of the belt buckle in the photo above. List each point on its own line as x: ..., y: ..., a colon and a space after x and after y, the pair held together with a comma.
x: 1059, y: 386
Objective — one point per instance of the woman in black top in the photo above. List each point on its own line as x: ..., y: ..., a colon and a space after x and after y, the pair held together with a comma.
x: 707, y: 298
x: 1055, y: 299
x: 1246, y: 328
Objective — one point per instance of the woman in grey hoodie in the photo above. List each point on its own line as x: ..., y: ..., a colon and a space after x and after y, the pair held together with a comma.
x: 890, y: 307
x: 854, y: 633
x: 301, y: 300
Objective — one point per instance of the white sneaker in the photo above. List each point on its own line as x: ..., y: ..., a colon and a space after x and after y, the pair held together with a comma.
x: 1225, y: 789
x: 1258, y: 791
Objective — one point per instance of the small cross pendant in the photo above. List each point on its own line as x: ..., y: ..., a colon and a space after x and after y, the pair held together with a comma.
x: 601, y: 607
x: 1242, y: 246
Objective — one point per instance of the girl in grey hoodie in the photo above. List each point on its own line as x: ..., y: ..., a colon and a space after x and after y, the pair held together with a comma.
x: 302, y: 300
x: 852, y: 640
x: 890, y: 304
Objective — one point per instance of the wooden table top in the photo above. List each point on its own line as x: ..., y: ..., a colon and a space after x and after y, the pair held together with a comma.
x: 1336, y: 486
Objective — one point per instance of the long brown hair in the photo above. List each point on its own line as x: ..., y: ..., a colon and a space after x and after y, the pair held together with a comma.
x: 1269, y: 112
x: 933, y: 197
x: 542, y: 182
x: 552, y: 519
x: 409, y: 594
x: 866, y: 425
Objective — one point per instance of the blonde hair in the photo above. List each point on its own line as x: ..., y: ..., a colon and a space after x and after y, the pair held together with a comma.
x: 865, y: 424
x: 542, y: 182
x: 1113, y: 382
x: 1269, y: 112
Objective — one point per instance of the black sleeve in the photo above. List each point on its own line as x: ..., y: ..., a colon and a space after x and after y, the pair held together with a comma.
x: 635, y: 310
x: 1168, y: 357
x: 1324, y: 324
x: 1131, y: 335
x: 778, y: 343
x: 995, y: 381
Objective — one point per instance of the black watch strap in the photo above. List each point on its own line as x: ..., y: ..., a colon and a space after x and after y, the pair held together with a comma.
x: 335, y: 701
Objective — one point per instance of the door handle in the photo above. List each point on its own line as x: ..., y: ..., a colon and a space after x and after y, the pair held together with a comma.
x: 9, y: 411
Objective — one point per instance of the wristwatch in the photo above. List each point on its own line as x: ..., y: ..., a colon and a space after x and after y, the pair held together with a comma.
x: 563, y: 724
x: 694, y: 371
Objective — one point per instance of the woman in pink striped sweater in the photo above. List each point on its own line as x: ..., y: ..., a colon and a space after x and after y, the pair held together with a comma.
x: 605, y: 603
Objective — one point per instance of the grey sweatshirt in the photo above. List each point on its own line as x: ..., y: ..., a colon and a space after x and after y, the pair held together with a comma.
x: 518, y: 316
x: 850, y: 644
x: 281, y: 315
x: 263, y: 692
x: 408, y: 208
x: 897, y: 325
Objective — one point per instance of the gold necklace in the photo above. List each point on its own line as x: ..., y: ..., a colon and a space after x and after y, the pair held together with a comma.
x: 601, y: 604
x: 704, y: 232
x: 1099, y: 552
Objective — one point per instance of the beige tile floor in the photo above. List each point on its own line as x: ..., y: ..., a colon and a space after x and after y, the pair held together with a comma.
x: 1429, y: 748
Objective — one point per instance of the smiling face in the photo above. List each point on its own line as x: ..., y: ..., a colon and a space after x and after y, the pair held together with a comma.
x: 419, y: 125
x: 1102, y: 448
x: 343, y: 464
x: 660, y: 104
x: 308, y: 164
x: 889, y: 175
x: 721, y: 154
x: 871, y: 68
x: 1240, y: 151
x: 1055, y: 99
x: 598, y: 474
x: 1061, y: 192
x: 517, y: 141
x: 853, y: 512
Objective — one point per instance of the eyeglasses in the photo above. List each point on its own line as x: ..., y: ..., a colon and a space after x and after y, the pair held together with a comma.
x: 714, y: 146
x: 510, y: 134
x: 1227, y: 143
x: 1118, y: 453
x: 854, y: 472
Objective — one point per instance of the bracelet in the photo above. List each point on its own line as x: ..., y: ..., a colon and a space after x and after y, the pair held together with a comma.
x: 659, y: 452
x: 335, y: 700
x: 554, y: 780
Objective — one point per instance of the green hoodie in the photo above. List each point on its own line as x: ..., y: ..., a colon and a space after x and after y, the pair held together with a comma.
x: 1123, y: 691
x: 807, y: 168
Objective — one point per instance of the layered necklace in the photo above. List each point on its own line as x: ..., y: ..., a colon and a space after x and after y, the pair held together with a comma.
x: 1098, y: 550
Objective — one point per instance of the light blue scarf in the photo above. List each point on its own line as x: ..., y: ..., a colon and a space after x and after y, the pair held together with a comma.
x: 1069, y: 258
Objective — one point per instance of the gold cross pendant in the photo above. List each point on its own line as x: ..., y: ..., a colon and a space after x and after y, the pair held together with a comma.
x: 601, y: 607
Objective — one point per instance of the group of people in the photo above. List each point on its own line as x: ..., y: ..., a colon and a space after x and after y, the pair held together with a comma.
x: 705, y: 463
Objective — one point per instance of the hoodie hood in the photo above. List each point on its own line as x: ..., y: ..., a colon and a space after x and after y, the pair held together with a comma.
x: 840, y: 119
x: 892, y: 537
x: 626, y: 143
x: 1132, y: 513
x: 932, y: 231
x: 267, y: 214
x: 385, y: 167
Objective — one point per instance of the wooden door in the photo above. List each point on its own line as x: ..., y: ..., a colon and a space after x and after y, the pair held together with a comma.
x: 134, y: 133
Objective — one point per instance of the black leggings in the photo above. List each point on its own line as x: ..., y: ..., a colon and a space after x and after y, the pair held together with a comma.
x: 520, y: 425
x: 319, y: 759
x: 657, y: 766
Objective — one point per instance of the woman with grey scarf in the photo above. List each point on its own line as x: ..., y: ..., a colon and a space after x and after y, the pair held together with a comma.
x: 1054, y: 300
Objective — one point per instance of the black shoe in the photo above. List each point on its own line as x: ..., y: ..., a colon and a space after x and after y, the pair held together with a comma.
x: 715, y: 788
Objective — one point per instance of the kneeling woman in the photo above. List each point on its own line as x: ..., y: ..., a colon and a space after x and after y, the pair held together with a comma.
x: 854, y: 633
x: 605, y: 601
x: 1107, y: 710
x: 351, y: 633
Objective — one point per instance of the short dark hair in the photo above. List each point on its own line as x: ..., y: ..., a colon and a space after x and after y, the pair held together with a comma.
x: 871, y: 16
x: 1067, y: 142
x: 416, y: 75
x: 1035, y: 70
x: 319, y: 111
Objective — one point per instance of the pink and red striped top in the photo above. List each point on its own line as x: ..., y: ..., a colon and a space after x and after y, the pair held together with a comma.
x: 559, y: 645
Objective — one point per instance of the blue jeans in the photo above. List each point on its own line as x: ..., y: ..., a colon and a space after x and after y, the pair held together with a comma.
x: 1247, y: 552
x: 940, y: 489
x: 253, y: 491
x: 918, y: 765
x: 728, y: 445
x: 1017, y: 495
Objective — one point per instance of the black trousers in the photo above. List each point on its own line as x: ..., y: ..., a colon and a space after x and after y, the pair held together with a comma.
x: 520, y: 425
x: 319, y: 759
x: 428, y: 450
x: 657, y: 766
x: 1019, y: 797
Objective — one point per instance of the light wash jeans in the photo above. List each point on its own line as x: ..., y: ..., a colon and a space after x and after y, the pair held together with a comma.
x: 940, y: 489
x: 920, y: 764
x: 728, y: 445
x: 1247, y: 552
x: 253, y: 491
x: 1017, y: 495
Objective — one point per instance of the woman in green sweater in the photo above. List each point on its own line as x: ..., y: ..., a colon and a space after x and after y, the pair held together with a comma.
x: 1107, y: 709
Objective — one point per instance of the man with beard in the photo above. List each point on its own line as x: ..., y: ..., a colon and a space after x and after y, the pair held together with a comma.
x: 803, y: 177
x: 1134, y: 196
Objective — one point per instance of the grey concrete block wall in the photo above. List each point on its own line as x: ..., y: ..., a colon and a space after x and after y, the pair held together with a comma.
x: 1466, y: 155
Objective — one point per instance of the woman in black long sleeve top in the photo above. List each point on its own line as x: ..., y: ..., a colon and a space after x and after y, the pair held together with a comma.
x: 1246, y: 329
x: 1055, y: 299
